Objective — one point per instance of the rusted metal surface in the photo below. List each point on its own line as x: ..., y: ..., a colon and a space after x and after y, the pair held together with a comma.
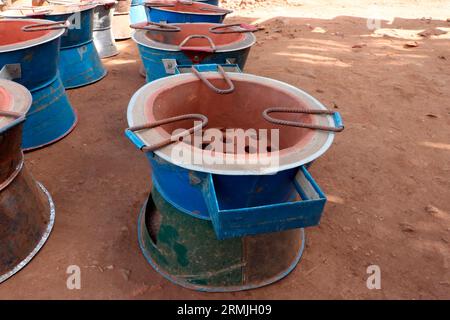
x: 185, y: 250
x: 26, y: 208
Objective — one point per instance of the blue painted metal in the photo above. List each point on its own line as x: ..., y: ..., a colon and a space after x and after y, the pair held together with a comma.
x: 154, y: 58
x: 80, y: 66
x: 161, y: 14
x: 248, y: 214
x: 155, y: 69
x: 137, y: 11
x: 239, y: 205
x: 31, y: 60
x: 51, y: 116
x: 79, y: 62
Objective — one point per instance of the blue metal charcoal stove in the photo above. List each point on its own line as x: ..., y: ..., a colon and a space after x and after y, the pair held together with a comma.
x: 233, y: 220
x: 79, y: 62
x: 183, y: 12
x: 163, y: 47
x: 29, y: 51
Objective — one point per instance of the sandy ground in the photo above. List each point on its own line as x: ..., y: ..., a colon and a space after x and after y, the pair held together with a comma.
x: 387, y: 175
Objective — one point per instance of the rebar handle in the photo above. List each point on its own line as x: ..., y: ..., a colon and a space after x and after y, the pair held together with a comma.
x: 37, y: 11
x: 158, y: 4
x: 243, y: 27
x: 174, y: 138
x: 217, y: 10
x: 211, y: 86
x: 210, y: 49
x: 336, y: 116
x: 154, y: 26
x: 46, y: 26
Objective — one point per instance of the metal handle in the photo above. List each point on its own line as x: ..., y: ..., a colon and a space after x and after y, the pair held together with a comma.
x: 218, y: 10
x: 336, y: 116
x: 174, y: 138
x: 243, y: 28
x: 46, y: 26
x: 37, y: 11
x: 63, y: 2
x: 211, y: 86
x: 163, y: 4
x: 212, y: 47
x: 154, y: 26
x: 158, y: 4
x: 75, y: 3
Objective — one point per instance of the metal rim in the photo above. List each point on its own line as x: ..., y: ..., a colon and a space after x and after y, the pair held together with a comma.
x: 41, y: 242
x: 139, y: 36
x: 290, y: 157
x: 21, y: 100
x: 199, y: 4
x: 52, y: 35
x: 74, y: 9
x: 142, y: 230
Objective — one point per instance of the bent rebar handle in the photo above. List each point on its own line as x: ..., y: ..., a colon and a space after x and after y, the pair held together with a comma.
x: 36, y: 10
x: 217, y: 10
x: 182, y: 46
x: 158, y: 4
x: 46, y: 26
x: 174, y: 138
x: 336, y: 116
x: 154, y: 26
x: 243, y: 27
x: 211, y: 86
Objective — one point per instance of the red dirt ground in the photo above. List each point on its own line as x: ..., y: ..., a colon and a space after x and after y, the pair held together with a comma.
x: 387, y: 175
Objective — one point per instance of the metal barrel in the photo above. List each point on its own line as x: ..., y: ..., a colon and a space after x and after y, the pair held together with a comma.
x: 102, y: 32
x: 51, y: 116
x: 27, y: 211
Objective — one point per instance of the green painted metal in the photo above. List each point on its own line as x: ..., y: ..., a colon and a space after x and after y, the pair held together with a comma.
x: 186, y: 251
x: 188, y: 248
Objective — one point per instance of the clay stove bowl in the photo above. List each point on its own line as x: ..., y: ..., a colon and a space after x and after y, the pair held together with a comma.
x: 186, y: 94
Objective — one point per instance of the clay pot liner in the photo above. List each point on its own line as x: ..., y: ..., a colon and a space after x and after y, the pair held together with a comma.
x: 5, y: 100
x: 15, y: 98
x: 241, y: 109
x: 12, y: 37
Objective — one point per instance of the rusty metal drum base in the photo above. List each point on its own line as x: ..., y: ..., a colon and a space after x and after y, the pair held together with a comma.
x: 43, y: 239
x: 185, y: 250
